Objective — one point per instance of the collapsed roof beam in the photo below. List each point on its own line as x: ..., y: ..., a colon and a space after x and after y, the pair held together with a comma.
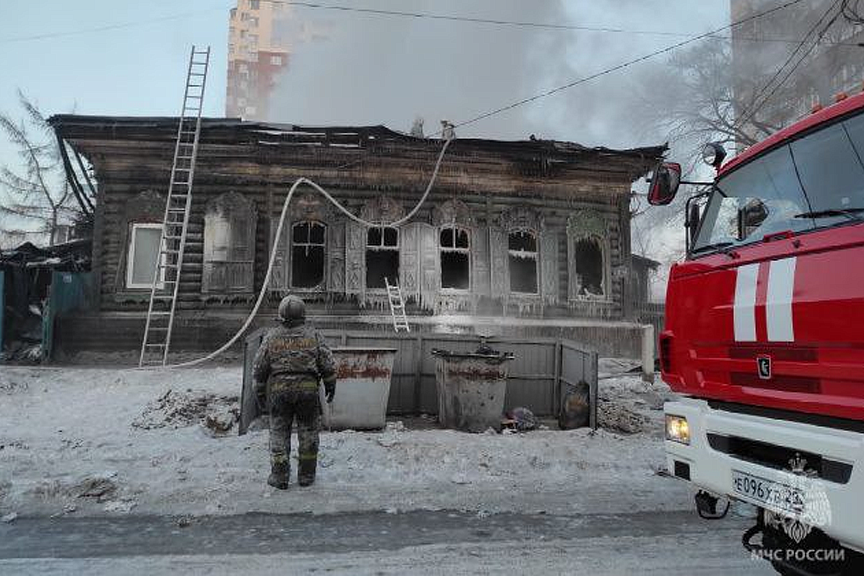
x: 86, y: 178
x: 72, y: 179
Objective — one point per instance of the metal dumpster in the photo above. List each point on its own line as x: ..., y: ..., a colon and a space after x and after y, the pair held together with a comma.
x: 471, y: 388
x: 362, y: 388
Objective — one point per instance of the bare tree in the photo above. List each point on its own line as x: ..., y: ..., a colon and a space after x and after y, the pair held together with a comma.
x: 36, y: 196
x: 736, y: 95
x: 693, y: 100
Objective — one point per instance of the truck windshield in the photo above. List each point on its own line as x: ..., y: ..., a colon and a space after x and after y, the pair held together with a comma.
x: 812, y: 182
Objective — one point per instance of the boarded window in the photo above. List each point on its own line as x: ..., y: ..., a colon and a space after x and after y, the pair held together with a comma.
x: 308, y: 243
x: 454, y: 243
x: 142, y: 256
x: 382, y: 256
x: 588, y: 260
x: 522, y: 249
x: 229, y: 245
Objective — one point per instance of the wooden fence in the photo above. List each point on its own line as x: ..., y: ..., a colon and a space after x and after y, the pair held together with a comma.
x: 540, y: 369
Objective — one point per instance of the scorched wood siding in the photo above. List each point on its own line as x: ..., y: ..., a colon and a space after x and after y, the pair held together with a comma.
x: 360, y: 167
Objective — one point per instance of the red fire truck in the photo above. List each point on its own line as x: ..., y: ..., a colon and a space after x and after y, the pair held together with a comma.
x: 764, y: 340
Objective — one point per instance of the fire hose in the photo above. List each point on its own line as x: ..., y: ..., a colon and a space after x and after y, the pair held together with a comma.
x: 263, y: 292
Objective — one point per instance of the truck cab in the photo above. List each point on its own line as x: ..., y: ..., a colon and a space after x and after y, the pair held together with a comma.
x: 764, y: 340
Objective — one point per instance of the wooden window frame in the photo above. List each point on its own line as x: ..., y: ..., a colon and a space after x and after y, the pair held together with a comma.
x: 308, y: 243
x: 536, y: 259
x: 442, y: 249
x: 224, y: 230
x: 382, y: 248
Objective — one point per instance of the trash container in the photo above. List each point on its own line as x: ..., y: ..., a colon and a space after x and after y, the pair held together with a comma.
x: 471, y: 388
x: 362, y: 388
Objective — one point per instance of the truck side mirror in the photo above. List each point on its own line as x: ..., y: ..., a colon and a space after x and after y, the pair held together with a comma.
x: 750, y: 217
x: 664, y: 183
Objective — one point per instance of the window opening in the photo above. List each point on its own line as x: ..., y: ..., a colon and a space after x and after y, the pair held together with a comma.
x: 307, y: 254
x: 382, y: 256
x: 588, y: 255
x: 522, y: 247
x: 454, y: 243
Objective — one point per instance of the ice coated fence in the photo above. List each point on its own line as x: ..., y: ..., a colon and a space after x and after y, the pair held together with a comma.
x: 542, y: 367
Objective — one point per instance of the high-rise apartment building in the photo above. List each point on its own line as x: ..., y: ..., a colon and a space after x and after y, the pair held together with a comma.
x: 760, y: 46
x: 257, y: 53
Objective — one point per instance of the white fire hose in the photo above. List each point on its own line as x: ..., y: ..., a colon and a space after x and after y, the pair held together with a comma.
x: 282, y: 216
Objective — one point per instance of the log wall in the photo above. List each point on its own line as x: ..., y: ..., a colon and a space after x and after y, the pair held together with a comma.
x: 490, y: 178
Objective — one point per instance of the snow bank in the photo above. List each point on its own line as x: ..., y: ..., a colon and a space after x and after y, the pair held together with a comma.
x: 102, y: 441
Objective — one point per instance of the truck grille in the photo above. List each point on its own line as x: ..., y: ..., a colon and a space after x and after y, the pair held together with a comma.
x: 785, y: 383
x: 776, y: 351
x: 778, y: 457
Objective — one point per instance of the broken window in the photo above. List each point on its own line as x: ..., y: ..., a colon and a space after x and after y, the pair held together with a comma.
x: 143, y: 253
x: 382, y: 256
x: 522, y: 248
x: 307, y: 254
x: 588, y: 260
x: 454, y: 243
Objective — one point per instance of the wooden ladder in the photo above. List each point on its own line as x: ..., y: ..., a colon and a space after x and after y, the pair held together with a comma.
x: 172, y: 243
x: 397, y: 307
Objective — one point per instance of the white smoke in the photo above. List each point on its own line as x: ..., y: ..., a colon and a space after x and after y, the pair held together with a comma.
x: 365, y: 69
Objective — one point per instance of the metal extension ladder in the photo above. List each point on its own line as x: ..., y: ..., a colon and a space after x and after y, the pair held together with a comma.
x: 166, y: 275
x: 397, y: 306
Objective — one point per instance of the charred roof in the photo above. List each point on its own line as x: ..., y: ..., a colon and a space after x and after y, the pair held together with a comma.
x: 237, y: 131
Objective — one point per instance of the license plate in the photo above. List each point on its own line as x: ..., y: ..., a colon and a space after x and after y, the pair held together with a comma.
x: 774, y: 495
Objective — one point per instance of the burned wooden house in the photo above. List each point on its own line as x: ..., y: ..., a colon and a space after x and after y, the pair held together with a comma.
x: 513, y: 234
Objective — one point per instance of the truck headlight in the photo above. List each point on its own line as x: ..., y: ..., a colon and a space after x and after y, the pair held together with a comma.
x: 677, y: 429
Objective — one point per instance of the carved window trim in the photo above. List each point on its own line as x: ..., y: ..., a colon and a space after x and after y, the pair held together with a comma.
x: 523, y: 219
x: 525, y: 254
x: 308, y: 244
x: 591, y: 226
x: 455, y: 228
x: 455, y: 215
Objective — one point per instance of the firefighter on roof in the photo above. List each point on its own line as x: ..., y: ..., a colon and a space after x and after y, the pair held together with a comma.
x: 292, y: 358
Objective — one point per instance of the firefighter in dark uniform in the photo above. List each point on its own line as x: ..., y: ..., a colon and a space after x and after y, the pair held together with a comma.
x: 292, y: 358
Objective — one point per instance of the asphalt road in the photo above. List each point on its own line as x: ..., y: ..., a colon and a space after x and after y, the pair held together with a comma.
x: 445, y: 542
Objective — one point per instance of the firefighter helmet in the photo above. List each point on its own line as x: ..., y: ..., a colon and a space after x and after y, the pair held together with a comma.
x: 292, y: 308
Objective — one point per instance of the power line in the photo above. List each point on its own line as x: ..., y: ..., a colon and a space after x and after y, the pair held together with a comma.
x: 527, y: 24
x: 623, y: 65
x: 108, y: 27
x: 750, y: 111
x: 469, y: 19
x: 851, y: 11
x: 397, y: 13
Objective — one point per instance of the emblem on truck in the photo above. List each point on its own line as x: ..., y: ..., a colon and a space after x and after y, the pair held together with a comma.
x: 763, y: 367
x: 807, y: 499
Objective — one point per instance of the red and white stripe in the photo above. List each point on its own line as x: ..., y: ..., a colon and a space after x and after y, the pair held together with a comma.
x: 776, y: 298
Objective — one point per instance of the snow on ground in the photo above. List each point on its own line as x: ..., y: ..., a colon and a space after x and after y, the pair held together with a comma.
x: 90, y: 441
